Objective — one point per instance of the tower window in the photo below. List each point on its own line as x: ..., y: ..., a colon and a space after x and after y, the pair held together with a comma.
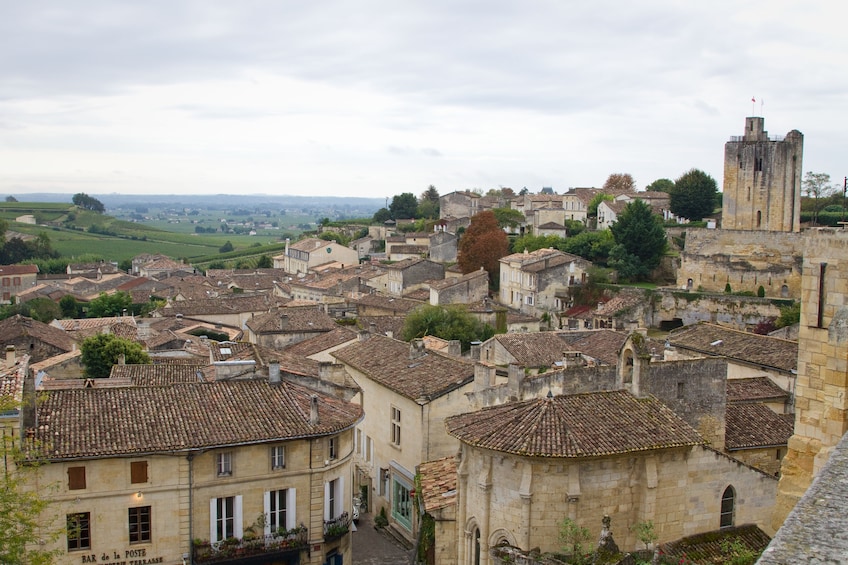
x: 758, y: 164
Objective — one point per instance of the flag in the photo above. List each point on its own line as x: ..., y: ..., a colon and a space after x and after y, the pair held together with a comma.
x: 753, y: 99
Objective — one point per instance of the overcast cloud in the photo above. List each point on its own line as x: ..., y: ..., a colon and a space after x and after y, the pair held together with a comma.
x: 375, y: 98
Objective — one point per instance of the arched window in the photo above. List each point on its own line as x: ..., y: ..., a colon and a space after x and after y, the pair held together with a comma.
x: 476, y: 550
x: 759, y: 218
x: 728, y: 502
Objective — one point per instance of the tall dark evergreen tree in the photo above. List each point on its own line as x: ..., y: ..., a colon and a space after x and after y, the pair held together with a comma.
x: 640, y: 241
x: 693, y: 195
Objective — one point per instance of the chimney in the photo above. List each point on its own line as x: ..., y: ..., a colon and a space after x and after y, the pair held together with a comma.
x: 274, y: 372
x: 475, y: 350
x: 515, y: 377
x: 122, y: 359
x: 10, y: 354
x: 331, y: 372
x: 372, y: 327
x: 363, y: 335
x: 455, y: 347
x: 313, y: 411
x: 483, y: 376
x: 417, y: 349
x: 390, y: 333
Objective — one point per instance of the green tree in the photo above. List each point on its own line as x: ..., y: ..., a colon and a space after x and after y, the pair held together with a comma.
x: 535, y: 242
x: 11, y: 199
x: 693, y: 195
x: 25, y: 524
x: 641, y: 237
x: 661, y: 185
x: 594, y: 246
x: 403, y: 206
x: 482, y: 245
x: 226, y: 248
x: 101, y: 351
x: 645, y: 532
x: 381, y: 216
x: 816, y: 185
x: 573, y: 537
x: 70, y: 307
x: 789, y: 316
x: 265, y: 262
x: 619, y: 182
x: 592, y: 208
x: 508, y: 217
x: 106, y: 305
x: 87, y: 202
x: 428, y: 203
x: 446, y: 322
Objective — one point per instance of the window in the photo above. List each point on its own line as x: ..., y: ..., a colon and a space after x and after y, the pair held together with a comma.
x: 16, y: 281
x: 278, y: 457
x: 358, y: 441
x: 139, y: 520
x: 395, y: 426
x: 402, y: 503
x: 225, y: 518
x: 333, y: 497
x: 727, y: 506
x: 79, y: 530
x: 368, y: 448
x: 277, y: 505
x: 7, y: 282
x: 331, y: 448
x: 225, y: 463
x: 76, y: 478
x: 138, y: 472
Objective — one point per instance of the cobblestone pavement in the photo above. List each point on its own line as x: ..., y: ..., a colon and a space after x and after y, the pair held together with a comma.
x: 373, y: 547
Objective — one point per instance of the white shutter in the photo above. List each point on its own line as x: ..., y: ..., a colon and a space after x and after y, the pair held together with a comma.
x: 327, y: 515
x: 238, y: 527
x: 213, y: 518
x: 291, y: 507
x: 266, y: 505
x: 340, y: 499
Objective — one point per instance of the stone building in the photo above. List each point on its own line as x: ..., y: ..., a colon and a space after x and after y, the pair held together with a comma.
x: 524, y: 466
x: 470, y: 288
x: 196, y: 472
x: 762, y: 180
x: 821, y: 394
x: 14, y: 279
x: 306, y: 254
x: 533, y: 282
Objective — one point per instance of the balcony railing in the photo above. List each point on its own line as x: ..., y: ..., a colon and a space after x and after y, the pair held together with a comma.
x: 246, y: 551
x: 337, y: 527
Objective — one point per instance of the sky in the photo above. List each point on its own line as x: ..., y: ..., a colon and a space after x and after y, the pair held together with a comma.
x: 376, y: 98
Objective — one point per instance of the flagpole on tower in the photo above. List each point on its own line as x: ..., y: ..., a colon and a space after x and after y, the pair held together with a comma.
x: 753, y: 102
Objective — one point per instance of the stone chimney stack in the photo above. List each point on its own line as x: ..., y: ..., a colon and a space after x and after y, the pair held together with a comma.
x: 122, y: 359
x: 515, y: 378
x: 10, y: 354
x: 455, y: 347
x: 475, y: 350
x: 416, y: 349
x: 331, y: 372
x: 484, y: 376
x: 274, y: 372
x: 313, y: 411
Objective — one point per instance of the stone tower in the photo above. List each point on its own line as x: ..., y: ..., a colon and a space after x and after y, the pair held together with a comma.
x: 821, y: 393
x: 762, y: 180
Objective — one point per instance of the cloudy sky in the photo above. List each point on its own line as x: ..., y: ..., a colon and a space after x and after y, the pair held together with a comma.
x: 374, y: 98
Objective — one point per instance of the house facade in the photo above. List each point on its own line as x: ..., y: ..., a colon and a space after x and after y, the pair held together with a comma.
x: 14, y: 279
x: 531, y: 281
x: 306, y: 254
x: 256, y: 470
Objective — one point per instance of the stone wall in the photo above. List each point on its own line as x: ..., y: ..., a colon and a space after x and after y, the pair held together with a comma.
x: 745, y: 260
x: 821, y: 401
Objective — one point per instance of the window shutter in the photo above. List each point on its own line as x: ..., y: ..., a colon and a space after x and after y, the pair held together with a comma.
x: 266, y: 505
x: 340, y: 499
x: 138, y: 472
x: 76, y: 478
x: 327, y: 515
x: 291, y: 507
x: 239, y: 518
x: 213, y: 518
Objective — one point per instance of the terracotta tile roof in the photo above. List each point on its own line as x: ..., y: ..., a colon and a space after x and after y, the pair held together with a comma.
x: 94, y: 422
x: 603, y: 345
x: 322, y: 342
x: 9, y: 270
x: 540, y: 259
x: 573, y: 426
x: 308, y: 244
x: 705, y: 548
x: 387, y: 302
x: 419, y: 294
x: 620, y: 303
x: 12, y: 381
x: 382, y: 325
x: 388, y: 362
x: 453, y: 281
x: 157, y: 375
x: 46, y: 364
x: 759, y: 389
x: 91, y: 323
x: 21, y: 326
x: 292, y: 320
x: 410, y: 249
x: 438, y: 483
x: 222, y: 305
x: 755, y: 425
x: 165, y: 264
x: 535, y: 349
x: 712, y: 339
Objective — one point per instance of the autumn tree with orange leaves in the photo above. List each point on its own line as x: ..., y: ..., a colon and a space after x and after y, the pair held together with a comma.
x: 482, y: 245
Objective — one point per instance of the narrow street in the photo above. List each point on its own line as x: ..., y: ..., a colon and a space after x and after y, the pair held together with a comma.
x: 373, y: 547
